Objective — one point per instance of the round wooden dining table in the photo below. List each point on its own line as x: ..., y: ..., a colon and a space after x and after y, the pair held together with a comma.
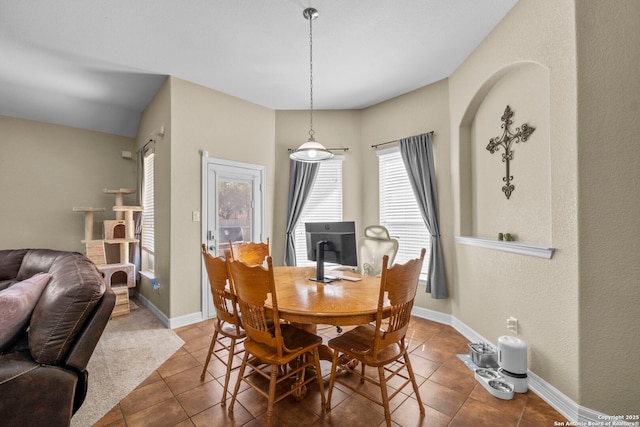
x: 340, y: 303
x: 306, y: 303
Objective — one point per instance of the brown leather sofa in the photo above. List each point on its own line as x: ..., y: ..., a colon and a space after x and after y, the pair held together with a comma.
x: 43, y: 377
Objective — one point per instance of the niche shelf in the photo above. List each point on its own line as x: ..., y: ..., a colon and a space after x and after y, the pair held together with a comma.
x: 521, y: 248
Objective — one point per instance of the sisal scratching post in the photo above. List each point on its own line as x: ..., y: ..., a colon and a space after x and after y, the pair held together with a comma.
x: 88, y: 220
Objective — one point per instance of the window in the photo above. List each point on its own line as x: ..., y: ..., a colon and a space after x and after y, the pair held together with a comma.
x: 148, y: 219
x: 399, y: 210
x: 323, y: 205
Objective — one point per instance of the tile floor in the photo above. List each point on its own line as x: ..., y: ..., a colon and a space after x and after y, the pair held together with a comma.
x: 174, y: 396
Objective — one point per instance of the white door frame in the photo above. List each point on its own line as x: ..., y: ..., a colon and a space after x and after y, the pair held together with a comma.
x: 259, y: 224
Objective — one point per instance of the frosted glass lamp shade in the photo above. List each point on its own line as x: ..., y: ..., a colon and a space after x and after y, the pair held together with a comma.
x: 311, y: 151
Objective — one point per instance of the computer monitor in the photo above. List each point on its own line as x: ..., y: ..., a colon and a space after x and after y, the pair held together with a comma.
x: 331, y: 242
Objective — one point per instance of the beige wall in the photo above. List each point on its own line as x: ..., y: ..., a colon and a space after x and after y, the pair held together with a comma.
x: 420, y: 111
x: 227, y: 128
x: 527, y: 213
x: 577, y: 311
x: 155, y: 119
x: 46, y: 170
x: 491, y: 285
x: 608, y: 36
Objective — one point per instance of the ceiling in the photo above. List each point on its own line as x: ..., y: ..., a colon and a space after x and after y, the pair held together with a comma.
x: 95, y: 64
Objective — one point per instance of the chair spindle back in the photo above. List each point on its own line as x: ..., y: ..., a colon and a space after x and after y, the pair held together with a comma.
x: 223, y: 298
x: 399, y: 283
x: 253, y: 285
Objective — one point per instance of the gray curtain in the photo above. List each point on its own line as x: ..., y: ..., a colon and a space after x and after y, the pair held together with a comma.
x: 417, y: 155
x: 302, y: 175
x: 135, y: 256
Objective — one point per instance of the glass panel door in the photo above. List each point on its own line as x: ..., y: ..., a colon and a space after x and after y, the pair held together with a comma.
x: 232, y: 198
x: 234, y: 211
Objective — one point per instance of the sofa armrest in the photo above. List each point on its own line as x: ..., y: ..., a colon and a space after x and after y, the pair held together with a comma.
x: 35, y: 394
x: 88, y: 339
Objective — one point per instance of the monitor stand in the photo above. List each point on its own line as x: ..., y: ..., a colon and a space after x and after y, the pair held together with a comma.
x: 320, y: 263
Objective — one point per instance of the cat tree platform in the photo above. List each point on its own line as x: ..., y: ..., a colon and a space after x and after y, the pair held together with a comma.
x: 118, y: 274
x: 129, y: 230
x: 119, y: 193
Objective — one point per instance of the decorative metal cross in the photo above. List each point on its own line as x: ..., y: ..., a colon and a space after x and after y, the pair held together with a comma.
x: 521, y: 134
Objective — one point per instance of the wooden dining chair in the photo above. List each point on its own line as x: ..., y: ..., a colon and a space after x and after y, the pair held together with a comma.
x: 252, y: 253
x: 382, y: 345
x: 228, y: 333
x: 271, y: 345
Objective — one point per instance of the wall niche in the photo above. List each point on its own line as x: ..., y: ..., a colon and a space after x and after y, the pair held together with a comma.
x: 526, y: 215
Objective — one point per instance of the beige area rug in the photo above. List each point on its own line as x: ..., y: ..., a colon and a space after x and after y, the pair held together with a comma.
x: 130, y: 349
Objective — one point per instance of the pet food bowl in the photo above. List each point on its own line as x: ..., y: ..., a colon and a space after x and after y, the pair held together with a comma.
x: 486, y: 374
x: 500, y: 389
x: 494, y: 383
x: 483, y: 355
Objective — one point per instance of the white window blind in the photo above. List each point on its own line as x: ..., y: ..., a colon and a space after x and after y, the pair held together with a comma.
x: 148, y: 221
x: 399, y: 211
x: 323, y: 205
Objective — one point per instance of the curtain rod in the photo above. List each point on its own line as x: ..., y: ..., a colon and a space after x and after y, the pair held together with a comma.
x: 392, y: 142
x: 144, y: 147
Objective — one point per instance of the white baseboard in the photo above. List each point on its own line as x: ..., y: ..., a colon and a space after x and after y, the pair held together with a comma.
x: 185, y: 320
x: 171, y: 323
x: 590, y: 417
x: 554, y: 397
x: 153, y: 309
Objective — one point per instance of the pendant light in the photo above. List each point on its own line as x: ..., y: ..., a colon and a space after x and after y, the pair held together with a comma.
x: 311, y: 151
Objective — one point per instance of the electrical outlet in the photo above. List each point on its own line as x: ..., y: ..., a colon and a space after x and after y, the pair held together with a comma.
x: 195, y: 216
x: 512, y: 325
x: 156, y: 286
